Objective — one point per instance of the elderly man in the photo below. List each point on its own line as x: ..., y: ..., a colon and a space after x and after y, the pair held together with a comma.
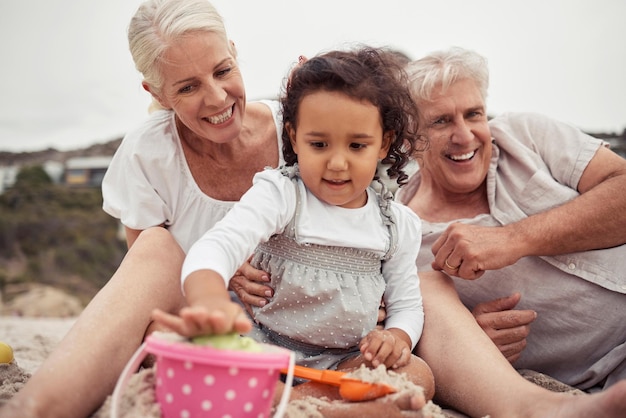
x: 521, y: 205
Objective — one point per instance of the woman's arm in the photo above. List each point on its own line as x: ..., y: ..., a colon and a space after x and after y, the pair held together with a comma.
x: 132, y: 234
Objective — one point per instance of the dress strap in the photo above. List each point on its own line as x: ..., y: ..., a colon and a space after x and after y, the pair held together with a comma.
x: 293, y: 173
x: 385, y: 197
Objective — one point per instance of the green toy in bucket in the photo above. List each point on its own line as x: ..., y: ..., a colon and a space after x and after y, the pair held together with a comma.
x: 212, y: 376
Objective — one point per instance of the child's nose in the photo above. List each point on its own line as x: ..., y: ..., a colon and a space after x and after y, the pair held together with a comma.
x: 337, y: 161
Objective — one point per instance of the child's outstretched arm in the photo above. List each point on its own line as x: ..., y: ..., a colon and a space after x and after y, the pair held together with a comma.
x: 391, y: 347
x: 210, y: 309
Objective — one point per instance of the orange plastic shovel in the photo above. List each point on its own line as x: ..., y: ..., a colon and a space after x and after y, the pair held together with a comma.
x: 350, y: 389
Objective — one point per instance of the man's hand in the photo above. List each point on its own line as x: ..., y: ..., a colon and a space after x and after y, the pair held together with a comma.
x: 466, y: 251
x: 506, y: 327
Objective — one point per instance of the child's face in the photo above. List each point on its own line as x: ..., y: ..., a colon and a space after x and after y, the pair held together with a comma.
x: 338, y: 141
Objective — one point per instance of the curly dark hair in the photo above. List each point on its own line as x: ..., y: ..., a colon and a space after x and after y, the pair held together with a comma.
x: 365, y: 73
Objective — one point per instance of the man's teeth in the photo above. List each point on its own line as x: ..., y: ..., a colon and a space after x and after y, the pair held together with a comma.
x: 221, y: 118
x: 462, y: 156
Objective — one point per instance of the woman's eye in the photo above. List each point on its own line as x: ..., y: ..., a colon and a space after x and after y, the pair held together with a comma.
x: 223, y: 72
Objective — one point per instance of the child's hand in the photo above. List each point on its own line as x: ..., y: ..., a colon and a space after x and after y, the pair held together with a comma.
x: 388, y: 347
x: 221, y: 318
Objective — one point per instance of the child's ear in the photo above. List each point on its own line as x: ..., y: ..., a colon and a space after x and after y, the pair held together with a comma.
x: 155, y: 96
x: 388, y: 138
x: 292, y: 136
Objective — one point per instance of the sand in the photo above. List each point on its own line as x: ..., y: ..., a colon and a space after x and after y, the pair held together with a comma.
x: 32, y: 339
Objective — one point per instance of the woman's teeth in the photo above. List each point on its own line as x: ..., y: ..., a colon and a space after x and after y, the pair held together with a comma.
x: 215, y: 120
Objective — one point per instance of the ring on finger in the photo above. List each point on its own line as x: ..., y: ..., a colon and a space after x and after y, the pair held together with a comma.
x: 449, y: 266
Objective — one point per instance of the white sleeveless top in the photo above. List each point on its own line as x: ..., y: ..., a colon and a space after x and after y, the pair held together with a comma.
x: 149, y: 183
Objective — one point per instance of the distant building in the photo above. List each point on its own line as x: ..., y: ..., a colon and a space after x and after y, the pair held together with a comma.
x: 86, y: 171
x: 55, y: 171
x: 8, y: 174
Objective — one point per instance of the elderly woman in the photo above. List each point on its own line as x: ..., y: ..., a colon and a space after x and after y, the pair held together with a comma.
x: 182, y: 169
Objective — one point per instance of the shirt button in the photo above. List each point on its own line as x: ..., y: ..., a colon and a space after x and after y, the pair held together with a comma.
x: 571, y: 266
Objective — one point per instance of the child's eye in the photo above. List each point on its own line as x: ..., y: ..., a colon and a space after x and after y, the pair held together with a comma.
x: 318, y: 144
x: 354, y: 145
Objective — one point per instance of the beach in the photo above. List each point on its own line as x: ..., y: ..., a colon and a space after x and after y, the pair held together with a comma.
x: 34, y: 338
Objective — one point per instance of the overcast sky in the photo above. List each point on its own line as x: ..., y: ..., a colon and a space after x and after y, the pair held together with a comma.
x: 67, y: 79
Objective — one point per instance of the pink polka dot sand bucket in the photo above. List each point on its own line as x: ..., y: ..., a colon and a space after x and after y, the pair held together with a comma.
x: 195, y: 381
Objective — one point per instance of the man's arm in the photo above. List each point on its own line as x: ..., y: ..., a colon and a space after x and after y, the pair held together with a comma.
x: 595, y: 219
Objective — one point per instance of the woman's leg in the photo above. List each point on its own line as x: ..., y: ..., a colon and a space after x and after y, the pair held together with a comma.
x: 472, y: 376
x: 77, y: 377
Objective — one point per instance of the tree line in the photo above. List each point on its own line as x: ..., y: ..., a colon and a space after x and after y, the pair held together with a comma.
x: 55, y: 235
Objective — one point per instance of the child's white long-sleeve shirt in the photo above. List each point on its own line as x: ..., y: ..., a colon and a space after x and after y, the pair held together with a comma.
x: 268, y: 207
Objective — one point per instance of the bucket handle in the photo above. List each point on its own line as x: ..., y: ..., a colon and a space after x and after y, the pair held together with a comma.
x: 133, y: 364
x: 141, y: 353
x: 284, y: 399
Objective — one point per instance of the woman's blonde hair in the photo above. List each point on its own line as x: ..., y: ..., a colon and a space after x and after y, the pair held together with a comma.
x: 157, y: 24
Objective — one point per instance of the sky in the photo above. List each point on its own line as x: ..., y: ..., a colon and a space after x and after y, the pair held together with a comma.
x: 67, y: 79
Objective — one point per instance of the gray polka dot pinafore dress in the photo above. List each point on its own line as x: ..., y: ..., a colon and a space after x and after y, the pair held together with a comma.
x: 326, y: 298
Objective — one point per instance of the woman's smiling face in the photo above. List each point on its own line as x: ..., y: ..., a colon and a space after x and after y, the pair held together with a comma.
x: 203, y: 85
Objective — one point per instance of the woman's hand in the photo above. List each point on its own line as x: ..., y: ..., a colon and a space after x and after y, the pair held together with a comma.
x: 506, y: 327
x: 249, y: 285
x: 388, y: 347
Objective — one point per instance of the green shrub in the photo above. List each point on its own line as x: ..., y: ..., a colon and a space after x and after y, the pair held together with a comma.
x: 62, y: 232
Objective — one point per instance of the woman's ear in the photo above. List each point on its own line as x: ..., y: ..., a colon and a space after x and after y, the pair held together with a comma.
x: 155, y: 96
x: 388, y: 138
x: 233, y: 49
